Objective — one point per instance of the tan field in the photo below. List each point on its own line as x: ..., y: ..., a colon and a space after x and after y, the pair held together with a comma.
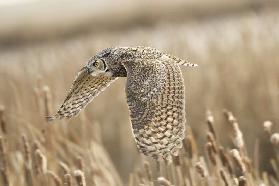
x: 232, y: 102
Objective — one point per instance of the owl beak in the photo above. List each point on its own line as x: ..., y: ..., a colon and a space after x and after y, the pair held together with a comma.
x: 108, y: 73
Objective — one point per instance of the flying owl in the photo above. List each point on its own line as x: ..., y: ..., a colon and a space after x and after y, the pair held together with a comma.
x: 154, y: 90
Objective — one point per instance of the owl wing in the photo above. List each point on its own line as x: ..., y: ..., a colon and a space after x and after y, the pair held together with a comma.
x: 84, y: 89
x: 155, y: 96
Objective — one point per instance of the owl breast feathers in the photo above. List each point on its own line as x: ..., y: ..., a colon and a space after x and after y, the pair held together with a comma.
x: 154, y: 89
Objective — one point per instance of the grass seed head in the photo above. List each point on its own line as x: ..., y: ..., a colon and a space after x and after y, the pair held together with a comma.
x: 163, y: 181
x: 274, y: 139
x: 267, y: 125
x: 200, y: 169
x: 80, y: 178
x: 211, y: 153
x: 68, y: 180
x: 41, y: 161
x: 210, y: 122
x: 238, y: 160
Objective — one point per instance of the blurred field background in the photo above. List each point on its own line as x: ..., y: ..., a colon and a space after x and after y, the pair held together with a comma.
x: 44, y: 44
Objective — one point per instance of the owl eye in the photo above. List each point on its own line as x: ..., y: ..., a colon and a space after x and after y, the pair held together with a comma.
x: 100, y: 64
x: 96, y: 64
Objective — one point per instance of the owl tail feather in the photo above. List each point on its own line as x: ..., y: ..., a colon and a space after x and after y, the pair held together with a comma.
x: 182, y: 62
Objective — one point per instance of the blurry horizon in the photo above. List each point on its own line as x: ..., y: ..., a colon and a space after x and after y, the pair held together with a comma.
x: 37, y: 21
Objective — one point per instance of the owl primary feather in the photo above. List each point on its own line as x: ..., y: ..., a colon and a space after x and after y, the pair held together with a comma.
x: 154, y: 89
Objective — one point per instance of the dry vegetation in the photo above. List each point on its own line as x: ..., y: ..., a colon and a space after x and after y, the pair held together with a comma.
x: 238, y: 70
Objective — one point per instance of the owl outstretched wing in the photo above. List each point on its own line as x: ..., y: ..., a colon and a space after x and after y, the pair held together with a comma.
x: 84, y: 89
x: 155, y: 96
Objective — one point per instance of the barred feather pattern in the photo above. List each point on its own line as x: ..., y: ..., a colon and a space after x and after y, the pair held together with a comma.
x: 156, y: 103
x: 84, y: 89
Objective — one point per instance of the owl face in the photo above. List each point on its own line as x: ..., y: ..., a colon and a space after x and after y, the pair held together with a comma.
x: 98, y: 66
x: 107, y: 64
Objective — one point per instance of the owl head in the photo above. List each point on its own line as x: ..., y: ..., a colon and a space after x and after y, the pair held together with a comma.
x: 105, y: 63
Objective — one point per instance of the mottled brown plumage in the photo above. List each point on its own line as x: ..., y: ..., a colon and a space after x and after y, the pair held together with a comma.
x: 154, y: 89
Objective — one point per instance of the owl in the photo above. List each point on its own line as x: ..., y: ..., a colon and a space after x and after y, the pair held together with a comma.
x: 154, y: 90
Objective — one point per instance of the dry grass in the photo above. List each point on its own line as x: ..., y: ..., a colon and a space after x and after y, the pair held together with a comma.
x: 219, y: 166
x: 238, y: 59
